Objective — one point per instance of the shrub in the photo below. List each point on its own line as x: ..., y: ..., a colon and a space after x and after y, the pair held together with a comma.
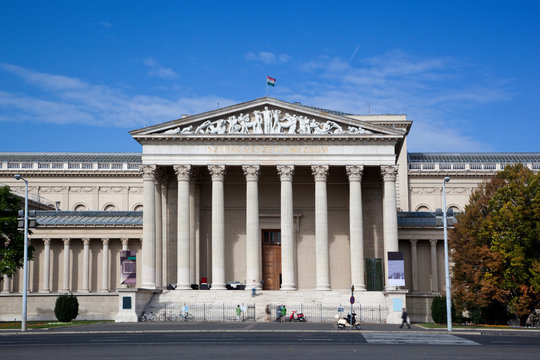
x: 438, y: 310
x: 66, y: 308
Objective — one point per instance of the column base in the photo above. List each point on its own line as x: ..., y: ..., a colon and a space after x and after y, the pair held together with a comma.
x: 218, y: 287
x: 5, y: 292
x: 148, y: 287
x: 45, y: 291
x: 287, y: 287
x: 323, y: 288
x: 103, y: 291
x: 183, y: 286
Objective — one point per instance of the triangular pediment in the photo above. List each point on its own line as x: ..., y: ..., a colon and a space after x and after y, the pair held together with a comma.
x: 265, y: 116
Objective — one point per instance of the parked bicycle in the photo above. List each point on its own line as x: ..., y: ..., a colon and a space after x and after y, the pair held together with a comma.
x: 167, y: 317
x: 186, y: 317
x: 148, y: 317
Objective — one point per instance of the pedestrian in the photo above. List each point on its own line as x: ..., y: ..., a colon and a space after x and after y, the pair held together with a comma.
x: 238, y: 312
x: 283, y: 312
x: 404, y: 319
x: 267, y: 311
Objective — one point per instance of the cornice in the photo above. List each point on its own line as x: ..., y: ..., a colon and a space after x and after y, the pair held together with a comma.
x: 76, y: 173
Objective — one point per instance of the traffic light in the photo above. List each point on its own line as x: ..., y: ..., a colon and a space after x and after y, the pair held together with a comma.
x: 32, y: 219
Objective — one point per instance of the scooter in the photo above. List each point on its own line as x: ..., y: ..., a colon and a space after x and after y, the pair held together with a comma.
x: 348, y: 321
x: 296, y: 316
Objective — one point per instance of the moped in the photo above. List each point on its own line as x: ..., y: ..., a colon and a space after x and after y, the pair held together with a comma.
x: 297, y: 316
x: 348, y: 321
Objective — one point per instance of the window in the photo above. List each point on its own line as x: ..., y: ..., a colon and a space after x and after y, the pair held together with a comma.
x: 80, y: 207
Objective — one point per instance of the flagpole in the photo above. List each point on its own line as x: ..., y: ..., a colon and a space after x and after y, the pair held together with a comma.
x: 266, y: 86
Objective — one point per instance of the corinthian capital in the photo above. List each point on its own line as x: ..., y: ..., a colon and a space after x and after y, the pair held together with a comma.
x: 251, y: 172
x: 182, y: 172
x: 389, y: 173
x: 320, y: 172
x: 217, y: 172
x: 149, y: 172
x: 285, y: 172
x: 355, y: 172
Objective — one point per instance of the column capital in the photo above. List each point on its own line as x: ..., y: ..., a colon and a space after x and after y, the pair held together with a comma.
x: 251, y: 172
x: 125, y: 241
x: 285, y: 172
x: 105, y: 241
x: 86, y: 241
x: 66, y: 241
x: 217, y: 172
x: 182, y: 172
x: 413, y: 242
x: 355, y: 172
x: 433, y: 242
x: 149, y: 172
x: 320, y: 172
x: 46, y: 242
x: 389, y: 173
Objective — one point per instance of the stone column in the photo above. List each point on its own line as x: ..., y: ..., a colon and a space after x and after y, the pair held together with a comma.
x: 105, y: 266
x: 86, y: 266
x: 183, y: 175
x: 125, y: 243
x: 434, y: 269
x: 6, y: 289
x: 288, y: 239
x: 164, y: 232
x: 253, y: 238
x: 158, y: 214
x: 194, y: 233
x: 320, y: 172
x: 65, y: 286
x: 390, y: 228
x: 414, y: 265
x: 148, y: 276
x: 46, y: 287
x: 218, y: 227
x: 356, y: 229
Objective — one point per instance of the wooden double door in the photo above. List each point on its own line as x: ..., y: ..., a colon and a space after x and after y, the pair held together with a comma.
x: 271, y: 259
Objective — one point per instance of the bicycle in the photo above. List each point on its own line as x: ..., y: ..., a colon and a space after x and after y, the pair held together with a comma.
x: 148, y: 317
x: 186, y: 317
x: 167, y: 317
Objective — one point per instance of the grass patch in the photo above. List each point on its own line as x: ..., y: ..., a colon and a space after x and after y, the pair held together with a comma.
x: 461, y: 326
x: 15, y: 325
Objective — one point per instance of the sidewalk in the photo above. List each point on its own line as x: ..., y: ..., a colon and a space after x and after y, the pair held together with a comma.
x: 258, y: 327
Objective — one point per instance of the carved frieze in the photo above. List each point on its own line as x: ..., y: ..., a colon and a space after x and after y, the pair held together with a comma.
x: 267, y: 121
x: 355, y: 172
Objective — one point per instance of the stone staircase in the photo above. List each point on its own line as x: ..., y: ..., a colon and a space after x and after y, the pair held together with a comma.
x: 302, y: 300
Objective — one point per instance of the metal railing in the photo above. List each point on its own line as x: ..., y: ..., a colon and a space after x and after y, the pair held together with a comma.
x: 320, y: 313
x: 200, y: 312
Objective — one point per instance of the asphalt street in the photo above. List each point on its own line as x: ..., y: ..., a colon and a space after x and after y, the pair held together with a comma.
x: 263, y: 341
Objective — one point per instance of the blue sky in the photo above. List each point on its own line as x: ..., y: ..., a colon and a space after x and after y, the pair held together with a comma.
x: 77, y: 76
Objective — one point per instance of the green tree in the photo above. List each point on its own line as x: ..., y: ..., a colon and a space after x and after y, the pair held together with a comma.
x: 496, y: 245
x: 11, y: 239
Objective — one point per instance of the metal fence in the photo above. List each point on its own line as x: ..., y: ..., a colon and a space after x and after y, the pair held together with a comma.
x: 320, y: 313
x: 199, y: 312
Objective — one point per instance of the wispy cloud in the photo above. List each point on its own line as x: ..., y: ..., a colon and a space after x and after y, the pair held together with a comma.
x: 157, y: 70
x: 431, y: 91
x: 267, y: 58
x: 68, y: 100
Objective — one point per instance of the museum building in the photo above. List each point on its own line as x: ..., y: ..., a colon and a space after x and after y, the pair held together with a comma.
x: 297, y: 202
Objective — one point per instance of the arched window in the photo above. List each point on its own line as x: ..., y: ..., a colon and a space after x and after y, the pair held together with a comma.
x: 454, y: 208
x: 109, y: 207
x: 138, y: 208
x: 80, y: 207
x: 422, y: 208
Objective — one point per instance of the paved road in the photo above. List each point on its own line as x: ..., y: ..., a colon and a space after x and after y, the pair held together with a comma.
x: 261, y: 341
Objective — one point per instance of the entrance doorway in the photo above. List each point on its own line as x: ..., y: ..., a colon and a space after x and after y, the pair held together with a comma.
x: 271, y: 258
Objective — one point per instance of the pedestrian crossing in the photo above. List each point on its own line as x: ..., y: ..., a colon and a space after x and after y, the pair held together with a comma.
x: 416, y: 338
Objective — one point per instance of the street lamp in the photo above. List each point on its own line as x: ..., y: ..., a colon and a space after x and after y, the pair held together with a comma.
x: 447, y: 271
x: 25, y: 267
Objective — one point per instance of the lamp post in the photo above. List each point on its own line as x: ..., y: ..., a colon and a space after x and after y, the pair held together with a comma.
x: 25, y: 267
x: 446, y: 269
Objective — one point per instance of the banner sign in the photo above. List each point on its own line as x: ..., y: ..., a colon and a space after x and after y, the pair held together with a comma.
x: 128, y: 264
x: 396, y: 269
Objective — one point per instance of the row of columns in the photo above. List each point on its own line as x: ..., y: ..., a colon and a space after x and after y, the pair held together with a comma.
x: 414, y: 265
x: 154, y: 212
x: 45, y: 283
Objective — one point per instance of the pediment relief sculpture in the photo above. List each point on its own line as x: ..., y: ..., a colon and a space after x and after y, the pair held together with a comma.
x: 267, y: 121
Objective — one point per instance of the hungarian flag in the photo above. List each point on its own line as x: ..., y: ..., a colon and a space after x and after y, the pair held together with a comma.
x: 270, y: 81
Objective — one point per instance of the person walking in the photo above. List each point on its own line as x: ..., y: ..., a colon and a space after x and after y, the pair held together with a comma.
x: 283, y: 312
x: 404, y: 319
x: 238, y: 312
x: 267, y: 311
